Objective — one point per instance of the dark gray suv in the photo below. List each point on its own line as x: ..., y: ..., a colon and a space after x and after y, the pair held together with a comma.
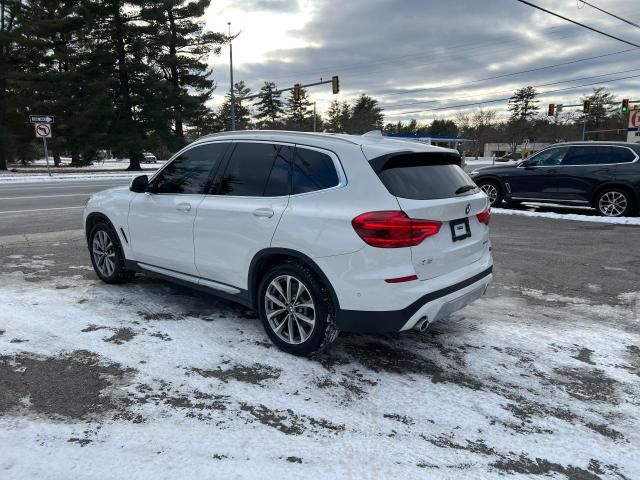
x: 602, y: 175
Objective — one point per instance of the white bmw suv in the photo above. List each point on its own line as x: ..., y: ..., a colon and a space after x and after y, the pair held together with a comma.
x: 317, y: 232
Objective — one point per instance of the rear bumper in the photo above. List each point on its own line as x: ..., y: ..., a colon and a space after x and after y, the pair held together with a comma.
x: 433, y: 305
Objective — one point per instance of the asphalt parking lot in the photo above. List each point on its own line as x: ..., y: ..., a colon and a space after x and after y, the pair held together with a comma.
x: 539, y: 378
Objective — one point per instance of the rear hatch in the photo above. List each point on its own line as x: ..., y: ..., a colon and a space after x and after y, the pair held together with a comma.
x: 431, y: 186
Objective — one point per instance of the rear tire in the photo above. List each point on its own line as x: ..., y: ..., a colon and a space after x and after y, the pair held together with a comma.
x: 296, y: 310
x: 106, y: 254
x: 614, y: 202
x: 493, y: 191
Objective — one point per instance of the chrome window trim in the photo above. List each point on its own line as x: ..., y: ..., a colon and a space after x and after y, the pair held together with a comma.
x: 589, y: 165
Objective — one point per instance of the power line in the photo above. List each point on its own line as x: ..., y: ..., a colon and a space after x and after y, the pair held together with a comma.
x: 610, y: 14
x: 514, y: 73
x: 449, y: 107
x: 580, y: 24
x: 534, y: 86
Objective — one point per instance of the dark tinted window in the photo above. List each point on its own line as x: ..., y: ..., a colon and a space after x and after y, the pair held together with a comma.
x: 313, y: 170
x: 423, y: 176
x: 622, y: 155
x: 549, y: 158
x: 257, y: 169
x: 189, y: 173
x: 591, y: 155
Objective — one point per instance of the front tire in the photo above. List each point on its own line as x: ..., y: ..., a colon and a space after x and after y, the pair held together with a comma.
x: 296, y: 310
x: 614, y: 202
x: 493, y: 191
x: 106, y: 253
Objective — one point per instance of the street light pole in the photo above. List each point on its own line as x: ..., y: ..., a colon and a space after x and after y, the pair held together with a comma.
x: 314, y: 116
x: 233, y: 100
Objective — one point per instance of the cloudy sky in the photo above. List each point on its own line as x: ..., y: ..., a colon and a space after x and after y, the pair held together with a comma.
x: 421, y: 58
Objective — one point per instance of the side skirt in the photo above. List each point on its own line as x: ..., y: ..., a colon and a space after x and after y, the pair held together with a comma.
x: 242, y: 297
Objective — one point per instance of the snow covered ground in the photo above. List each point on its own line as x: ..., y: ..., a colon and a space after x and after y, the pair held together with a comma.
x: 149, y: 380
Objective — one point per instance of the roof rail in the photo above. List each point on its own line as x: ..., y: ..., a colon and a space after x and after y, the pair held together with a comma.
x: 241, y: 133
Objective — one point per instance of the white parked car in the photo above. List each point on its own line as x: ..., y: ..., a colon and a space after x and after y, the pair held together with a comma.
x: 317, y: 232
x: 148, y: 157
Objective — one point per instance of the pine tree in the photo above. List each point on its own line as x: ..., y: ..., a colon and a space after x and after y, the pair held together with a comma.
x: 179, y: 46
x: 523, y: 104
x: 366, y: 115
x: 299, y: 112
x: 338, y: 117
x: 241, y: 110
x: 270, y: 108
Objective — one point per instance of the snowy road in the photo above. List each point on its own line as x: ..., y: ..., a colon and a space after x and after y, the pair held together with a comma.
x: 150, y: 380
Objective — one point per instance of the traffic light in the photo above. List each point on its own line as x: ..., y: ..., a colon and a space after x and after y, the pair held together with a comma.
x: 297, y: 92
x: 335, y: 83
x: 552, y: 109
x: 587, y: 106
x: 625, y: 105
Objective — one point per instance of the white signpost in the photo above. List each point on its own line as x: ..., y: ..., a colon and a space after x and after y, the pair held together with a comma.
x: 633, y: 130
x: 43, y: 131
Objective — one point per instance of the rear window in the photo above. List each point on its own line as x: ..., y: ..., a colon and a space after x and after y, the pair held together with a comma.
x: 423, y: 176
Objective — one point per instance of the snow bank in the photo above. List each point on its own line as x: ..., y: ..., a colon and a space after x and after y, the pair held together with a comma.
x: 568, y: 216
x: 7, y: 178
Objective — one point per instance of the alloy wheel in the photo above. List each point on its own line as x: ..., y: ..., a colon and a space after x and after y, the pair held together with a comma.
x: 104, y: 253
x: 491, y: 191
x: 613, y: 204
x: 290, y: 310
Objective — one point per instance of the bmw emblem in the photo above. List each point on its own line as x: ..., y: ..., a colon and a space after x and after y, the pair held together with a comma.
x: 468, y: 209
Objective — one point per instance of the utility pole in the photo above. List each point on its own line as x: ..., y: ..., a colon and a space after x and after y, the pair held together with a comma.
x: 233, y: 99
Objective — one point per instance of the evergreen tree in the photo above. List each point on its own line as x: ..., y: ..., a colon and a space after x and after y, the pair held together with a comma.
x: 241, y: 110
x: 338, y: 117
x: 178, y: 46
x: 523, y: 104
x: 299, y: 112
x: 603, y: 105
x: 443, y: 128
x: 366, y: 115
x: 270, y: 107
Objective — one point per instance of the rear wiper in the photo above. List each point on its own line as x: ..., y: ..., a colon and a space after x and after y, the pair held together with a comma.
x: 465, y: 188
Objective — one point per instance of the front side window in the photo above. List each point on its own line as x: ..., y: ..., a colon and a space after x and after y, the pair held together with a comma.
x: 256, y: 170
x: 548, y: 158
x: 189, y: 173
x: 313, y: 170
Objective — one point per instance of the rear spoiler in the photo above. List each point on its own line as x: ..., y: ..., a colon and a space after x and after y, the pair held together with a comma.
x: 411, y: 158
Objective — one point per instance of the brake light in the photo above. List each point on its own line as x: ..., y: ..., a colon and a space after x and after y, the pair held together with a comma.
x: 485, y: 215
x: 393, y: 229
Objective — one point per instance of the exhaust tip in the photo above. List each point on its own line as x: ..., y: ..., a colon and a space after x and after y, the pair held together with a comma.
x: 422, y: 324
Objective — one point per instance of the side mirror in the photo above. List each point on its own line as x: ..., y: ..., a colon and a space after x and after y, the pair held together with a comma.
x: 526, y: 164
x: 139, y: 184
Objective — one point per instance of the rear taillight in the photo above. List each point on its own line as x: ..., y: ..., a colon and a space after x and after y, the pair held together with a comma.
x: 393, y: 229
x: 485, y: 215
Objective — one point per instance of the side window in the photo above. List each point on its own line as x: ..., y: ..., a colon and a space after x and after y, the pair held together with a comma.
x: 588, y: 155
x: 313, y: 170
x: 189, y: 173
x: 622, y: 155
x: 256, y: 170
x: 549, y: 158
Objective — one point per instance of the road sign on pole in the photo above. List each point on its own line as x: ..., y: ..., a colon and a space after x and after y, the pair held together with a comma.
x: 43, y: 131
x: 41, y: 118
x: 633, y: 130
